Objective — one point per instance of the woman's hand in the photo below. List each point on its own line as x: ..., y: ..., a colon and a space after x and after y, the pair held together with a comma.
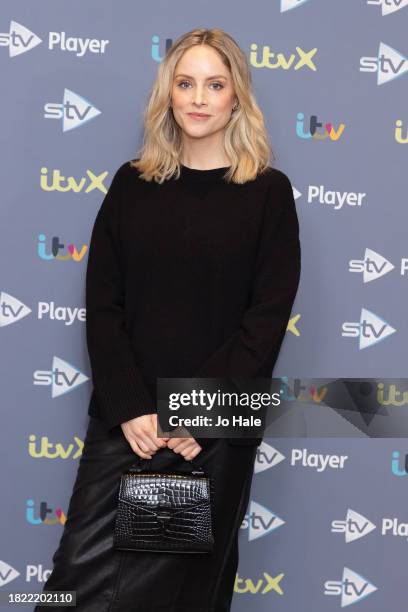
x: 140, y: 432
x: 188, y: 447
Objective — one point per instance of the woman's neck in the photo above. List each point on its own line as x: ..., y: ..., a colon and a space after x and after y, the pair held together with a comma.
x: 204, y: 158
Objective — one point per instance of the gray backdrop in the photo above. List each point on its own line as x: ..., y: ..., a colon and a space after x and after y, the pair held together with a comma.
x: 292, y: 555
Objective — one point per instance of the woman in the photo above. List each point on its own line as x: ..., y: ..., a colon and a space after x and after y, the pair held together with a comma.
x: 193, y: 268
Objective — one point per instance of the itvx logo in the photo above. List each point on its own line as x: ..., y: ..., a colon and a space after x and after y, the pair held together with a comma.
x: 389, y: 6
x: 311, y: 131
x: 20, y: 39
x: 49, y: 450
x: 12, y: 310
x: 389, y: 64
x: 352, y: 587
x: 63, y: 377
x: 269, y: 59
x: 74, y: 110
x: 260, y: 585
x: 56, y: 246
x: 369, y: 330
x: 260, y: 521
x: 58, y: 182
x: 374, y: 265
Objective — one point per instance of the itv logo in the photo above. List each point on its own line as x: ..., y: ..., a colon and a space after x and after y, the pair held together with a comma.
x: 43, y: 518
x: 56, y: 246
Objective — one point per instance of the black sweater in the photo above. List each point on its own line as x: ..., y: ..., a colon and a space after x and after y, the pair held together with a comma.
x: 192, y: 278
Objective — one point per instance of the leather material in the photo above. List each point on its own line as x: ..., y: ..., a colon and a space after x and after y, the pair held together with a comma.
x: 244, y: 441
x: 164, y: 513
x: 109, y: 580
x: 208, y: 442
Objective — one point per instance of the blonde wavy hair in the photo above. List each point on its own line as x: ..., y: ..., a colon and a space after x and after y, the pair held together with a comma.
x: 246, y: 140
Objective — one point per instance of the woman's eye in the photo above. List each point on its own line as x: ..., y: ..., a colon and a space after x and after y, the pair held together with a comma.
x: 182, y: 83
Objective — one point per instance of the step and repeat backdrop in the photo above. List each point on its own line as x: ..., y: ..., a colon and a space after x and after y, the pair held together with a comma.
x: 327, y: 522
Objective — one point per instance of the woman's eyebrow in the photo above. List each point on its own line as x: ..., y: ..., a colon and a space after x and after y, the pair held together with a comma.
x: 215, y: 76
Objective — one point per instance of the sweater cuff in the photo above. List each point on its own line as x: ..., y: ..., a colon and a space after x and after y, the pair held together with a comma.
x: 205, y: 443
x: 122, y: 397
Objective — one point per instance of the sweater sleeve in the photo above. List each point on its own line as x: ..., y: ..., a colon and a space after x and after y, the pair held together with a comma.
x: 120, y: 391
x: 253, y: 349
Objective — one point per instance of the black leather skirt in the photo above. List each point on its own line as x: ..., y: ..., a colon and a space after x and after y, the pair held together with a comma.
x: 109, y: 580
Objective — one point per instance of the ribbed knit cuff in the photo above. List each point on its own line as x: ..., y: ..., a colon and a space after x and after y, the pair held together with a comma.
x: 205, y: 443
x: 122, y: 397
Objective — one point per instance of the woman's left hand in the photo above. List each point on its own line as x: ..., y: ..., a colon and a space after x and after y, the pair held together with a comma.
x: 187, y: 447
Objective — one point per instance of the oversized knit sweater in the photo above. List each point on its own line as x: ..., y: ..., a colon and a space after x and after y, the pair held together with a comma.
x: 195, y: 277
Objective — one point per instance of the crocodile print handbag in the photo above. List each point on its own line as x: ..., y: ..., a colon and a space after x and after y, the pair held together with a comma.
x: 164, y: 512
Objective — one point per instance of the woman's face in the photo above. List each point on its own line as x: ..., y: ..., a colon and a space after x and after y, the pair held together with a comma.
x: 202, y: 84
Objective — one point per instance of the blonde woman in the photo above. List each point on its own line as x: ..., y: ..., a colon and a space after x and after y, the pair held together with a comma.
x: 194, y: 264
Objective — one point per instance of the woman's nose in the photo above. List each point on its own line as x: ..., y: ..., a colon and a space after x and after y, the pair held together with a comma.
x: 199, y: 96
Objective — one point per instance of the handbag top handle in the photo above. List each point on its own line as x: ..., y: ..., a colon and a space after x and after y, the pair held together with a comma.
x: 145, y: 464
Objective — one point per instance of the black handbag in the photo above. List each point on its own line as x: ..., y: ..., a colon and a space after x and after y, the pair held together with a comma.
x: 164, y: 511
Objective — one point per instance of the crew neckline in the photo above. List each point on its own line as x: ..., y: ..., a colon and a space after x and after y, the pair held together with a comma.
x: 198, y: 174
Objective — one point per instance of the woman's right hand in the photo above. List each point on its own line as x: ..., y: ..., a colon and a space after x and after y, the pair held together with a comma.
x: 140, y: 432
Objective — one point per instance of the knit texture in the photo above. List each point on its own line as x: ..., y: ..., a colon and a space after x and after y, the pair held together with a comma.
x: 192, y: 278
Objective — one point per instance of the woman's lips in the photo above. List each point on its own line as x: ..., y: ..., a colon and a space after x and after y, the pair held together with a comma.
x: 198, y: 116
